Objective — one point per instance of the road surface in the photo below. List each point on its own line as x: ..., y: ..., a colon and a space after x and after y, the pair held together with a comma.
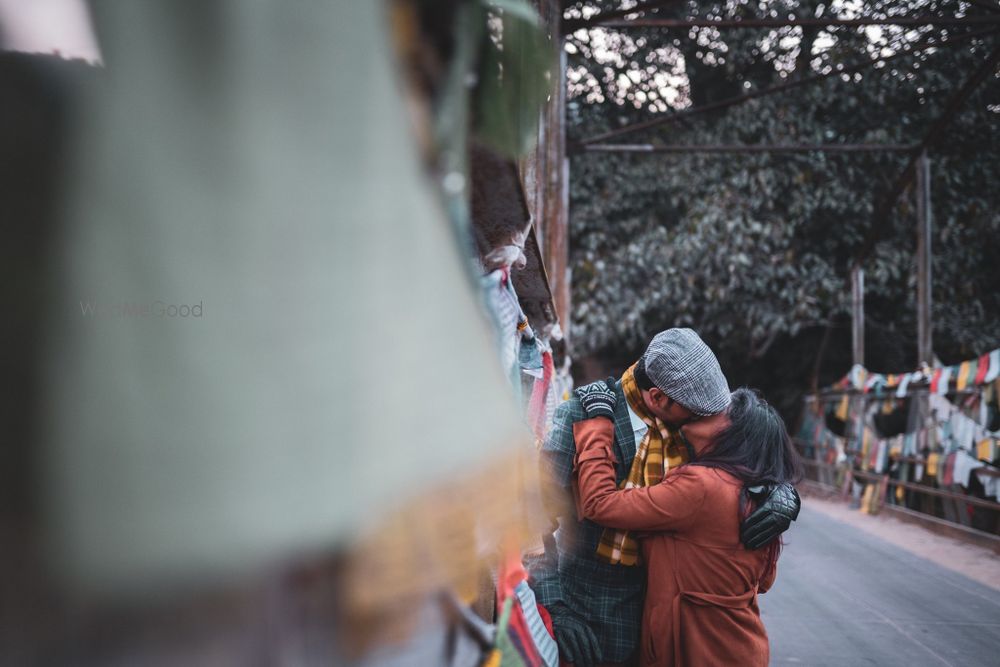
x: 846, y: 597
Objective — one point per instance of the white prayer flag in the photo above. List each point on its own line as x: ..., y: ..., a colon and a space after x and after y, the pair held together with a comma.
x: 994, y: 370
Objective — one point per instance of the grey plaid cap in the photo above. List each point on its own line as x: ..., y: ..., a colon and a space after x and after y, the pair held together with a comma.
x: 678, y: 362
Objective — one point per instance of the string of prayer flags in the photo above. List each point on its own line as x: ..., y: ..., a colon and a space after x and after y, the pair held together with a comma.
x: 980, y: 371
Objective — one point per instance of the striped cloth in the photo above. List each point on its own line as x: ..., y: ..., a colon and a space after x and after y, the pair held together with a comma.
x: 544, y: 642
x: 659, y: 451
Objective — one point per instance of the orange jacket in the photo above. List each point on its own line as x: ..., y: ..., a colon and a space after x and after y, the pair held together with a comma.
x: 702, y: 584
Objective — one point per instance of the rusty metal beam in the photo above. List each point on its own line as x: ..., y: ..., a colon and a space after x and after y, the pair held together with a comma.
x: 932, y: 136
x: 953, y: 40
x: 813, y: 22
x: 570, y: 25
x: 746, y: 148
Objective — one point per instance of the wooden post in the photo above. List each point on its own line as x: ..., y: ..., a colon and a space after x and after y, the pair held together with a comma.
x: 858, y: 315
x: 558, y: 246
x: 925, y: 351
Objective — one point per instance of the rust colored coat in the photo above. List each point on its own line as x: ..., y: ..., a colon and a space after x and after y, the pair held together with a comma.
x: 702, y: 584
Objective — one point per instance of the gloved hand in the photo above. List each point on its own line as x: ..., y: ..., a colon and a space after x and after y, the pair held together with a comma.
x: 775, y: 514
x: 598, y: 399
x: 577, y: 642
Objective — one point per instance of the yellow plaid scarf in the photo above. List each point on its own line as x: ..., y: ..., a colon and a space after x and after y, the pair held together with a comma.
x: 659, y: 451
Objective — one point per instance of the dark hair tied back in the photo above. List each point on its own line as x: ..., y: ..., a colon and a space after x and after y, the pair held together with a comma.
x: 755, y: 447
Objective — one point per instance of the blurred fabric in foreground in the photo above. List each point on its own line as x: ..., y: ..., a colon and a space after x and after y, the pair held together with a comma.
x: 263, y: 414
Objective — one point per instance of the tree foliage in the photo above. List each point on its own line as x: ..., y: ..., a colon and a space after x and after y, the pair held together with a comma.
x: 754, y: 250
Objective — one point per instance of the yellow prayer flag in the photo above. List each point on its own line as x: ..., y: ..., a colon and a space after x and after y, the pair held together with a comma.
x: 866, y: 443
x: 866, y: 499
x: 963, y: 376
x: 984, y: 450
x: 932, y: 463
x: 841, y: 413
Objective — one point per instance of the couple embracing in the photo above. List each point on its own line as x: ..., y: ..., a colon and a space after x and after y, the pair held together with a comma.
x: 670, y: 494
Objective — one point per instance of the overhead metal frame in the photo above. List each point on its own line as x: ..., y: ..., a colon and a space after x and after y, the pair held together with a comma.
x: 571, y: 25
x: 921, y: 46
x: 802, y: 22
x: 747, y: 148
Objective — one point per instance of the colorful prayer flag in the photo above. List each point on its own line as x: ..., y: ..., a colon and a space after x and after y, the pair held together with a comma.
x: 994, y: 370
x: 963, y: 376
x: 932, y: 463
x: 842, y: 409
x: 982, y: 368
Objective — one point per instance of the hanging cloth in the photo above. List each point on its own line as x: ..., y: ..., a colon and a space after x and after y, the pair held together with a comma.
x: 948, y: 477
x: 932, y: 463
x: 936, y: 380
x: 982, y: 369
x: 842, y: 408
x: 539, y: 396
x: 986, y: 450
x: 903, y: 384
x: 943, y: 376
x: 964, y: 465
x: 994, y: 370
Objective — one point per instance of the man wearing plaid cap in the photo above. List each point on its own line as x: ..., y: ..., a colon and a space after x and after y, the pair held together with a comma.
x: 588, y: 577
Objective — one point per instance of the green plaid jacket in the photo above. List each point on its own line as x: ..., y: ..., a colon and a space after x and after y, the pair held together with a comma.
x: 608, y: 596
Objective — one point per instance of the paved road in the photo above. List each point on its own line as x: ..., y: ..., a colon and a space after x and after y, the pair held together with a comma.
x: 844, y: 597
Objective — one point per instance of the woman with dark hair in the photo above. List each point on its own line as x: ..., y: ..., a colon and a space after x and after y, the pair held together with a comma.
x: 702, y: 583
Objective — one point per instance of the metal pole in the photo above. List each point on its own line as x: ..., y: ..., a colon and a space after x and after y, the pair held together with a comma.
x: 858, y: 315
x: 817, y: 22
x: 925, y: 350
x: 570, y: 25
x: 746, y: 148
x: 858, y: 402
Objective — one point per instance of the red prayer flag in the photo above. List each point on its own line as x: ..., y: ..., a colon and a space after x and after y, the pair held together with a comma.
x: 984, y: 367
x: 934, y: 381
